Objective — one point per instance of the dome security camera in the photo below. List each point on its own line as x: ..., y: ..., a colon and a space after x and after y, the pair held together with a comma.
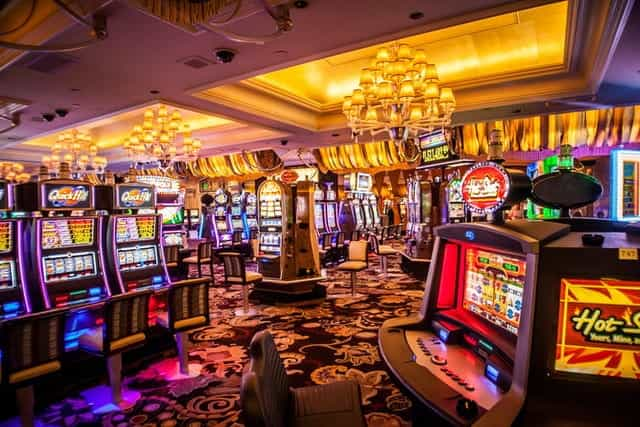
x: 49, y: 117
x: 62, y: 112
x: 224, y: 56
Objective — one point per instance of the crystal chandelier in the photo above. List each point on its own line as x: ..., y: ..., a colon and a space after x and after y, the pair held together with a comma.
x: 156, y: 139
x: 399, y: 93
x: 79, y: 150
x: 13, y: 172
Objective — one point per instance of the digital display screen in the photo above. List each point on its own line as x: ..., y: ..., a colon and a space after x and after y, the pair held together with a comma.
x: 7, y: 275
x: 237, y: 224
x: 137, y: 257
x: 134, y: 196
x: 236, y: 210
x: 172, y: 215
x: 6, y: 241
x: 221, y: 225
x: 599, y: 328
x: 494, y: 284
x: 331, y: 216
x: 173, y: 239
x: 63, y: 196
x: 67, y: 232
x: 135, y: 228
x: 71, y: 266
x: 318, y: 216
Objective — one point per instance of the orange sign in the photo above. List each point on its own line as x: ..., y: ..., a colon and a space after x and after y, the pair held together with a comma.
x: 485, y: 187
x: 289, y: 176
x: 599, y: 328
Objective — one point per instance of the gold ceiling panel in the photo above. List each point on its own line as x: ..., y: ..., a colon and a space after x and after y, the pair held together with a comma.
x: 502, y: 46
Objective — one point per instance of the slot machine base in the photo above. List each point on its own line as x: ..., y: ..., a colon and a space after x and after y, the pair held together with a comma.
x: 416, y: 267
x: 299, y: 291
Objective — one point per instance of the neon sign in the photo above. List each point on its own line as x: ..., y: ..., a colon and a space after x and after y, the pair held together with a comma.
x: 434, y: 148
x: 625, y: 185
x: 599, y: 328
x: 485, y: 187
x: 135, y: 196
x: 65, y: 196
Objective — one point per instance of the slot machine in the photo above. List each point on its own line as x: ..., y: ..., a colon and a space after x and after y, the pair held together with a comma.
x: 173, y: 233
x: 368, y: 212
x: 375, y: 212
x: 358, y: 213
x: 455, y: 203
x: 251, y: 211
x: 67, y: 254
x: 273, y: 226
x: 236, y: 214
x: 318, y: 211
x: 331, y: 211
x: 508, y: 331
x: 193, y: 218
x: 221, y: 226
x: 14, y: 295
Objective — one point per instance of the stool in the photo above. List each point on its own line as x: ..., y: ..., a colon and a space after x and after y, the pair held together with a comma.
x: 125, y: 325
x: 357, y: 260
x: 235, y: 273
x: 22, y: 364
x: 202, y: 257
x: 383, y: 251
x: 187, y: 309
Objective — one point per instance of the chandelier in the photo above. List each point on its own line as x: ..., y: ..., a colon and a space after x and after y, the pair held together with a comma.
x: 399, y: 93
x: 156, y: 138
x: 79, y: 151
x: 13, y: 172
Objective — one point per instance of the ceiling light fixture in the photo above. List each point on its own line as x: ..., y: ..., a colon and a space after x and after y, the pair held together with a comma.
x: 13, y: 172
x: 78, y: 150
x: 399, y: 93
x: 156, y: 139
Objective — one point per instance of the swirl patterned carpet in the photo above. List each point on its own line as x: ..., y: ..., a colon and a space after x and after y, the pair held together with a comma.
x: 319, y: 344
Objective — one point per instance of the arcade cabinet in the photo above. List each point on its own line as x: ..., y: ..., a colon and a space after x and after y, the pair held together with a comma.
x: 331, y: 210
x: 288, y: 247
x: 66, y: 266
x: 236, y: 214
x: 221, y: 227
x: 454, y: 201
x: 512, y: 328
x: 319, y: 212
x: 14, y: 295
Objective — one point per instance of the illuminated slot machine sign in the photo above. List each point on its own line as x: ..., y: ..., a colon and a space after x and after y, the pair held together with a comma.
x: 63, y: 196
x: 135, y: 228
x: 434, y: 148
x: 135, y: 196
x: 6, y: 237
x: 599, y: 328
x: 168, y: 190
x: 485, y: 187
x: 493, y: 289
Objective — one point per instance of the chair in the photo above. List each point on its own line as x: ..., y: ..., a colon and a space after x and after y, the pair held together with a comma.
x: 357, y: 260
x: 124, y: 328
x: 32, y: 347
x: 187, y: 309
x: 254, y: 243
x: 325, y: 248
x: 202, y: 257
x: 236, y: 240
x: 267, y: 400
x: 235, y: 273
x: 340, y: 246
x: 382, y: 251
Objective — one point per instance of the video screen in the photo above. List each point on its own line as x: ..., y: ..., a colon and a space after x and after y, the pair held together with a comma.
x: 63, y: 267
x: 331, y: 216
x: 318, y: 216
x: 172, y: 215
x: 494, y: 284
x: 137, y: 257
x: 7, y: 275
x: 135, y: 228
x: 221, y: 225
x: 599, y: 328
x: 237, y: 224
x: 6, y: 241
x: 236, y: 210
x: 67, y: 232
x: 173, y: 239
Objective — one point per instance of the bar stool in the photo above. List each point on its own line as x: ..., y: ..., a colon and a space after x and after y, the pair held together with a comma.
x: 32, y: 347
x: 254, y: 243
x: 325, y: 248
x: 124, y: 328
x: 382, y: 251
x: 202, y: 257
x: 235, y: 273
x: 187, y: 309
x: 357, y: 260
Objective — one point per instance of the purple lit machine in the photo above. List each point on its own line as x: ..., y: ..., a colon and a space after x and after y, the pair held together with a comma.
x: 14, y: 296
x: 221, y: 226
x: 67, y: 261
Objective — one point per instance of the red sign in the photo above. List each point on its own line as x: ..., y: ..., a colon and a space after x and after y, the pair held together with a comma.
x: 599, y: 328
x: 289, y: 176
x: 485, y: 187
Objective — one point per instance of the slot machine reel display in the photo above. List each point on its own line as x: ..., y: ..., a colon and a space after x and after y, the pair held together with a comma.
x: 318, y: 211
x: 513, y: 325
x: 236, y: 216
x: 251, y: 211
x: 331, y: 210
x: 221, y: 226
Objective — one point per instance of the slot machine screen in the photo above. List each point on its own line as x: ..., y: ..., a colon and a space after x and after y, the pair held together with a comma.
x: 172, y: 215
x: 318, y: 215
x: 67, y: 233
x: 173, y: 239
x: 6, y: 242
x: 494, y: 283
x: 236, y: 210
x: 137, y: 257
x: 63, y: 267
x: 331, y: 216
x: 237, y: 224
x: 7, y: 275
x: 221, y: 225
x: 135, y: 228
x: 599, y: 328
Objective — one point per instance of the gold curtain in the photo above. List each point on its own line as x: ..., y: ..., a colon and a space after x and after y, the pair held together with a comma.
x: 371, y: 157
x: 237, y: 166
x: 593, y: 128
x: 186, y: 12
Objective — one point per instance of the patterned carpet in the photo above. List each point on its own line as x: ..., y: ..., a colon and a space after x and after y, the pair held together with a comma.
x: 319, y: 344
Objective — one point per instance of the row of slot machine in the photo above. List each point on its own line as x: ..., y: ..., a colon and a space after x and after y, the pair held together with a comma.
x: 76, y: 245
x: 325, y: 211
x: 229, y: 212
x: 365, y: 211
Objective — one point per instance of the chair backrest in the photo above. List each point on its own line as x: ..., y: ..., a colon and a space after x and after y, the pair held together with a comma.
x: 385, y: 233
x: 375, y: 245
x: 233, y: 265
x: 264, y: 393
x: 340, y: 238
x: 171, y: 255
x: 355, y: 235
x: 236, y: 237
x: 125, y: 315
x: 204, y: 250
x: 29, y: 341
x: 325, y: 241
x: 188, y: 299
x: 358, y: 251
x: 253, y: 234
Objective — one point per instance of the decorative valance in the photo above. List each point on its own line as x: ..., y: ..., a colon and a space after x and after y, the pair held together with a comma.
x: 370, y: 157
x: 591, y: 128
x: 185, y: 12
x: 246, y: 166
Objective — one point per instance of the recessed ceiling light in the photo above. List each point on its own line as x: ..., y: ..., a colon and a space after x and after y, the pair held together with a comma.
x: 74, y: 89
x: 280, y: 52
x: 301, y: 4
x: 154, y: 91
x: 416, y: 15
